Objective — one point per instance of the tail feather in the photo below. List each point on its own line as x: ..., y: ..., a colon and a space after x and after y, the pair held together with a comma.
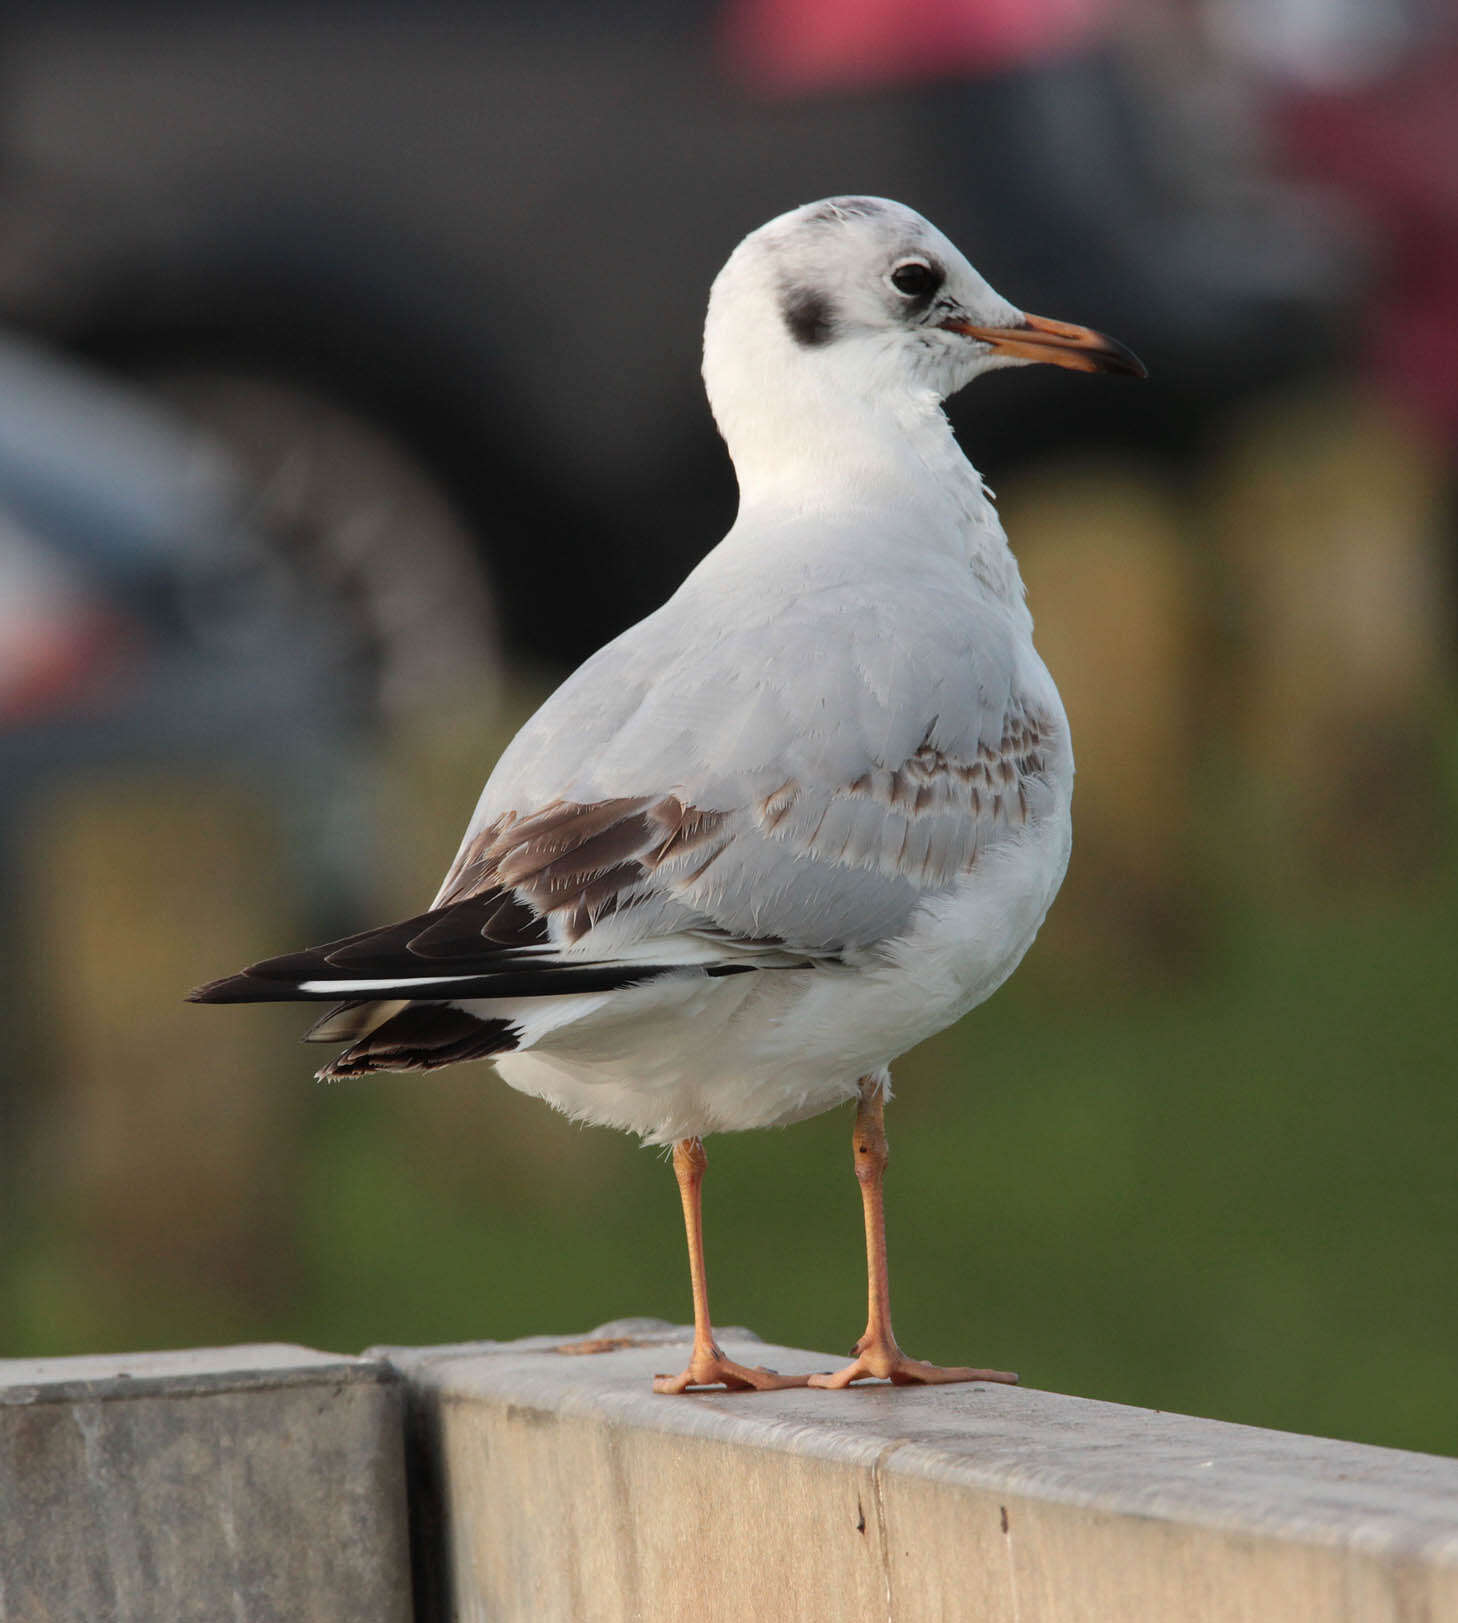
x: 423, y: 1037
x: 348, y: 1022
x: 403, y: 985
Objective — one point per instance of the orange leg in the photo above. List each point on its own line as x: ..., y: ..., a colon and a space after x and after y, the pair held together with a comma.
x: 876, y: 1353
x: 707, y: 1366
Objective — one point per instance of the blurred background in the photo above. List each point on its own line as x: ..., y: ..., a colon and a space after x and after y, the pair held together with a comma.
x: 349, y: 395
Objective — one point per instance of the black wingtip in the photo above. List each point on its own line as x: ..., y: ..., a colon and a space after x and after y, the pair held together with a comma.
x: 237, y: 989
x: 214, y: 991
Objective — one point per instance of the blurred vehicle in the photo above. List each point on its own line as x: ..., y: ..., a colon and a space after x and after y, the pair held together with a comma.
x: 475, y: 242
x: 147, y: 619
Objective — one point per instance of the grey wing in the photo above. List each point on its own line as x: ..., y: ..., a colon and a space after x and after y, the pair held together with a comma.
x: 800, y: 869
x: 800, y: 783
x: 788, y: 795
x: 588, y: 896
x: 834, y: 867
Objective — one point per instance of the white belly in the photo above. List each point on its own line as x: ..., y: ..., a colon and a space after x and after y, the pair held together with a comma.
x: 684, y: 1058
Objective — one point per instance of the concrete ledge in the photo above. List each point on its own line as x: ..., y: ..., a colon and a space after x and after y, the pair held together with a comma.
x: 255, y: 1484
x: 559, y: 1487
x: 228, y: 1485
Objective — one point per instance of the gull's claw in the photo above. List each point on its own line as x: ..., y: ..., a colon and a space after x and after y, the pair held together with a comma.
x: 717, y: 1370
x: 885, y: 1361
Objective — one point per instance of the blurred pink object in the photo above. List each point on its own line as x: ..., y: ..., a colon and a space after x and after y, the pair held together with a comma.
x: 1392, y: 149
x: 787, y: 46
x: 59, y: 647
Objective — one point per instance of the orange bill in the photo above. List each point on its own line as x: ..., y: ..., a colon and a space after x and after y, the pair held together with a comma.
x: 1035, y: 338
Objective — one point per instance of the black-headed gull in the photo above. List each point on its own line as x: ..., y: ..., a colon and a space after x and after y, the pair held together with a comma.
x: 809, y: 812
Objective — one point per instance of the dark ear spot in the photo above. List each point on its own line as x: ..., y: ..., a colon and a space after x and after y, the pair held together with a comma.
x: 809, y: 315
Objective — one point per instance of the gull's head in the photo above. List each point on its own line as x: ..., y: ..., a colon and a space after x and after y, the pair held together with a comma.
x: 859, y: 301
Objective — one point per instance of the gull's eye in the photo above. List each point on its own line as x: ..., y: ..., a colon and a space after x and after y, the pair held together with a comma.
x: 915, y: 278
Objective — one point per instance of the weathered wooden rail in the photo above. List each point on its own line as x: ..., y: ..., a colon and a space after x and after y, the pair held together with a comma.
x: 517, y: 1481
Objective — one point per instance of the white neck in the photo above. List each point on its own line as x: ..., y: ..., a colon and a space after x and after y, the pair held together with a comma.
x: 809, y: 444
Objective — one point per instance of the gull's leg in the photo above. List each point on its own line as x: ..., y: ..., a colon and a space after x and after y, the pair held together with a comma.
x: 876, y: 1353
x: 707, y: 1366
